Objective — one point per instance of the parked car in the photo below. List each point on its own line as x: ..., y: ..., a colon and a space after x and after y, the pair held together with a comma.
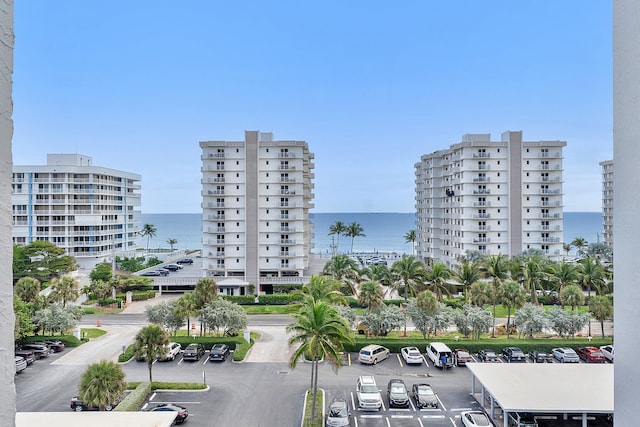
x: 368, y: 393
x: 54, y: 345
x: 424, y: 396
x: 565, y: 355
x: 151, y: 273
x: 522, y: 419
x: 397, y: 393
x: 488, y: 355
x: 78, y: 405
x: 514, y: 355
x: 28, y: 355
x: 193, y: 351
x: 372, y: 354
x: 219, y: 352
x: 411, y: 355
x: 21, y: 364
x: 338, y: 414
x: 590, y: 354
x: 183, y: 413
x: 40, y: 350
x: 607, y: 352
x: 476, y: 419
x: 540, y: 356
x: 172, y: 267
x: 184, y: 261
x: 163, y: 272
x: 462, y: 356
x: 173, y: 349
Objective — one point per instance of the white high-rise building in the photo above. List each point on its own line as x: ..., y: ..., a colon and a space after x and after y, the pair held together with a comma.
x: 256, y: 197
x: 91, y: 212
x: 607, y: 201
x: 493, y: 197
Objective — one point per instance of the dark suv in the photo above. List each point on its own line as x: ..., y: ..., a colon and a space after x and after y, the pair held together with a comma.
x: 184, y: 261
x: 513, y: 354
x: 219, y: 352
x: 193, y: 351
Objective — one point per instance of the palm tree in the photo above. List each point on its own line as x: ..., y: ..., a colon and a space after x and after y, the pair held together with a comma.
x: 187, y: 306
x: 591, y: 275
x: 410, y: 237
x: 320, y: 332
x: 149, y: 343
x: 354, y: 230
x: 343, y: 269
x: 322, y: 288
x: 171, y: 242
x: 436, y: 279
x: 467, y: 274
x: 511, y: 296
x: 370, y: 295
x: 205, y: 292
x: 601, y: 308
x: 482, y: 293
x: 534, y: 274
x: 337, y: 229
x: 580, y: 243
x: 64, y: 289
x: 148, y: 231
x: 572, y: 296
x: 494, y: 267
x: 27, y: 288
x: 102, y: 384
x: 563, y: 274
x: 378, y: 273
x: 566, y: 247
x: 409, y: 273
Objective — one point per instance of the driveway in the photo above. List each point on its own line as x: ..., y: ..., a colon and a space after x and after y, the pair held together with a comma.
x: 272, y: 346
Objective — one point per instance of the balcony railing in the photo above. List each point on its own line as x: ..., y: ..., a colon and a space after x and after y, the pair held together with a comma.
x: 481, y: 215
x: 481, y: 179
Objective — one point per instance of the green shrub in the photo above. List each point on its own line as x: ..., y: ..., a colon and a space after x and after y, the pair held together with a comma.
x: 157, y: 385
x: 207, y: 341
x: 241, y: 350
x: 134, y: 400
x: 275, y: 299
x: 396, y: 302
x: 240, y: 299
x: 142, y: 295
x: 285, y: 288
x: 127, y: 355
x: 89, y: 310
x: 456, y: 302
x: 354, y: 303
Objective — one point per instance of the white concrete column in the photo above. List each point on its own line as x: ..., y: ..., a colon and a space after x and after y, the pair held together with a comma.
x: 7, y: 318
x: 626, y: 224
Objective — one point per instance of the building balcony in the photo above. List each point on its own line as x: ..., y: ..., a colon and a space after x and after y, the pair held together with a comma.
x: 481, y: 192
x: 550, y: 179
x: 484, y: 228
x: 481, y: 155
x: 287, y: 205
x: 550, y: 203
x: 551, y: 154
x: 481, y: 179
x: 286, y: 168
x: 550, y: 191
x: 287, y: 192
x: 286, y: 155
x: 284, y: 241
x: 550, y: 227
x: 287, y: 253
x: 287, y: 229
x: 481, y: 240
x: 551, y: 215
x: 550, y: 240
x: 287, y: 216
x: 287, y: 180
x: 481, y: 216
x: 476, y: 204
x: 216, y: 192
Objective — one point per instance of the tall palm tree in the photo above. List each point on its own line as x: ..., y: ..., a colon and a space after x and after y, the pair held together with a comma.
x: 64, y: 289
x: 410, y: 237
x: 371, y: 295
x: 511, y: 296
x: 566, y: 247
x: 534, y: 274
x: 320, y: 332
x: 206, y: 291
x: 343, y: 269
x: 187, y: 306
x: 580, y: 243
x: 337, y: 230
x: 467, y: 273
x: 563, y: 274
x: 378, y: 273
x: 411, y: 274
x: 495, y: 268
x: 27, y: 288
x: 150, y: 342
x: 354, y: 230
x: 601, y: 309
x: 171, y: 242
x: 148, y: 231
x: 436, y: 278
x: 102, y: 384
x: 591, y: 275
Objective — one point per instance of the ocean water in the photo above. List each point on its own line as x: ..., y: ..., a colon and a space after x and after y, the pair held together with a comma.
x: 384, y: 231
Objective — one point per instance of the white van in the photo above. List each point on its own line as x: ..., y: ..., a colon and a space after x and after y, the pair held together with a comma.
x: 440, y: 355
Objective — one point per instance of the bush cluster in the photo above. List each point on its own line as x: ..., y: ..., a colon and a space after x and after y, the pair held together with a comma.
x: 275, y: 299
x: 134, y: 400
x: 240, y: 299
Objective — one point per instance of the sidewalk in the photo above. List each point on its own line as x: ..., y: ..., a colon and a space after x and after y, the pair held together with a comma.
x: 108, y: 346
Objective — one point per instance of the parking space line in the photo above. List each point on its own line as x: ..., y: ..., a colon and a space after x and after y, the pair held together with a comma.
x: 402, y: 416
x: 399, y: 360
x: 441, y: 404
x: 180, y: 362
x: 353, y: 402
x: 460, y: 409
x: 205, y: 361
x: 144, y: 406
x: 153, y: 396
x: 433, y: 417
x: 420, y: 422
x: 370, y: 416
x: 452, y: 422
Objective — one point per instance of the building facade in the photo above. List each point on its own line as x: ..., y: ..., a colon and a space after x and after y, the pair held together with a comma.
x: 493, y: 197
x: 90, y: 211
x: 256, y: 197
x: 607, y: 202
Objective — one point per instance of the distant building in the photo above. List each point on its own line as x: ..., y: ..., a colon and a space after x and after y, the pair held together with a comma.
x: 256, y: 197
x: 91, y: 212
x: 607, y: 201
x: 493, y: 197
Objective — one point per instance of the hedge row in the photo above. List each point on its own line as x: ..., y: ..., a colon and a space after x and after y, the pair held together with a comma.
x: 68, y: 340
x: 526, y: 345
x: 238, y: 344
x: 134, y: 400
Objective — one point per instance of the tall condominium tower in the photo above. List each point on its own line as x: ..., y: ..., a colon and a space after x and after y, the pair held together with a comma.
x: 493, y: 197
x: 607, y: 201
x: 256, y: 196
x: 90, y: 211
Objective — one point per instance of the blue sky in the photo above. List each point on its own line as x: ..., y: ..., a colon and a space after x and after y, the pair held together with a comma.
x: 370, y: 85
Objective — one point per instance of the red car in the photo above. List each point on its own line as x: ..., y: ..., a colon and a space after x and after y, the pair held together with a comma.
x: 462, y: 356
x: 590, y: 354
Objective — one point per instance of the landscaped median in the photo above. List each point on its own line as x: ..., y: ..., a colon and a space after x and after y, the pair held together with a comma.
x: 141, y: 390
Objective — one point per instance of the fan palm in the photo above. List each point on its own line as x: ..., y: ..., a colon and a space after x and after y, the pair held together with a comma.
x: 27, y: 288
x: 64, y: 289
x: 320, y: 332
x: 102, y: 384
x: 371, y: 295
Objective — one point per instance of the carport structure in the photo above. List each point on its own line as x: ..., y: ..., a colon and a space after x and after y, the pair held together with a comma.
x: 548, y: 388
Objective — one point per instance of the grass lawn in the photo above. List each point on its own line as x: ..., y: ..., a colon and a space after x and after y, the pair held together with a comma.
x: 271, y: 309
x: 92, y: 332
x: 318, y: 412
